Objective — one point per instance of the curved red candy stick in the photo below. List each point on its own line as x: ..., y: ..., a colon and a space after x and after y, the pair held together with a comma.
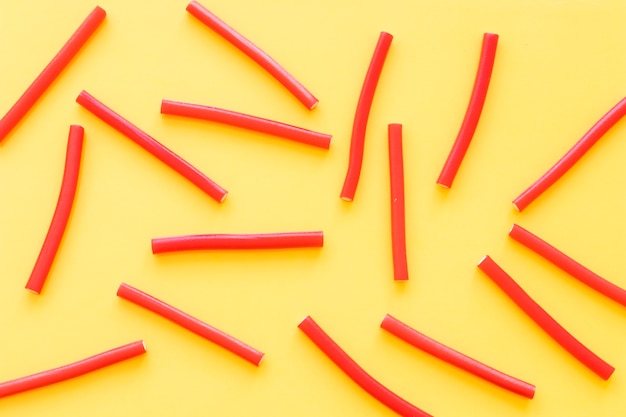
x: 571, y: 157
x: 238, y: 241
x: 61, y: 213
x: 355, y: 372
x: 51, y: 71
x: 190, y: 323
x: 148, y: 143
x: 474, y: 109
x: 544, y: 320
x: 398, y: 229
x: 453, y: 357
x: 72, y: 370
x: 254, y: 52
x: 246, y: 121
x: 568, y: 265
x: 357, y: 142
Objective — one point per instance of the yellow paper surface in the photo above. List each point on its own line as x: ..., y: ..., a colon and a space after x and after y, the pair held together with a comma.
x: 560, y: 65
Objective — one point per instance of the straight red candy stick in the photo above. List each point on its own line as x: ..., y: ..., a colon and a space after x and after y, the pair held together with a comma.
x: 572, y: 156
x: 72, y: 370
x: 453, y: 357
x: 61, y: 213
x: 398, y: 228
x: 246, y: 121
x: 238, y: 241
x: 190, y: 323
x: 264, y: 60
x: 155, y: 148
x: 568, y: 265
x: 51, y: 71
x: 544, y: 320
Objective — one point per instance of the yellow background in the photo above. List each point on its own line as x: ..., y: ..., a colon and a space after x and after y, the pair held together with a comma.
x: 560, y: 65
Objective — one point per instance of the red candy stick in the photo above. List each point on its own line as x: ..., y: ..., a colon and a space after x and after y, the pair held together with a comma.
x: 357, y: 142
x: 571, y: 157
x: 147, y: 142
x: 238, y: 241
x: 72, y: 370
x: 61, y: 213
x: 544, y: 320
x: 568, y: 265
x: 398, y: 229
x: 254, y: 52
x: 246, y: 121
x: 474, y: 109
x: 190, y: 323
x: 443, y: 352
x: 355, y: 372
x: 51, y: 72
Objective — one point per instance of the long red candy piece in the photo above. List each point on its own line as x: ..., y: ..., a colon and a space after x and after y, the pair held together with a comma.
x: 474, y: 109
x: 238, y: 241
x: 260, y: 57
x: 453, y: 357
x: 155, y: 148
x: 246, y: 121
x: 568, y: 264
x: 398, y: 228
x: 359, y: 126
x: 190, y: 323
x: 72, y: 370
x: 51, y: 71
x: 572, y: 156
x: 355, y: 372
x: 61, y: 213
x: 544, y: 320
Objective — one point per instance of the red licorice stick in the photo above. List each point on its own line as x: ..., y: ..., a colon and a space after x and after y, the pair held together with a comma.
x: 568, y: 265
x: 398, y: 230
x: 355, y: 372
x: 61, y: 213
x: 357, y: 142
x: 72, y: 370
x: 51, y: 71
x: 474, y: 109
x: 190, y: 323
x: 246, y: 121
x: 572, y: 156
x: 244, y: 45
x: 147, y: 142
x: 544, y: 320
x: 238, y: 241
x: 453, y: 357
